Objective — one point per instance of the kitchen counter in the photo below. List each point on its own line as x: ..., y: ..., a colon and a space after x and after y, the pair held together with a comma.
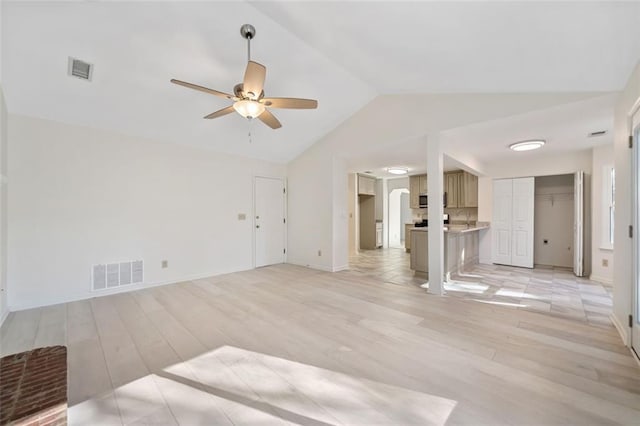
x: 456, y: 229
x: 461, y: 247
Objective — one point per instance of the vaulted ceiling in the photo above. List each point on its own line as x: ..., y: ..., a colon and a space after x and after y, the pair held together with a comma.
x: 342, y: 53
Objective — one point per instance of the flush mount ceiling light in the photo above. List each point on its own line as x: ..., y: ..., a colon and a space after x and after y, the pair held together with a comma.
x: 527, y: 145
x: 398, y: 170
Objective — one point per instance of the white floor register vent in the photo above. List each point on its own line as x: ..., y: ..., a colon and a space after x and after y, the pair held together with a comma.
x: 116, y: 274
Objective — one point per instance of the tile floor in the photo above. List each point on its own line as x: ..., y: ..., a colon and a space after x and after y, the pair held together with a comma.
x: 555, y: 291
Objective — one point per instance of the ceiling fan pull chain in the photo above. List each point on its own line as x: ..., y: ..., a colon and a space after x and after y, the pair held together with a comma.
x: 250, y: 140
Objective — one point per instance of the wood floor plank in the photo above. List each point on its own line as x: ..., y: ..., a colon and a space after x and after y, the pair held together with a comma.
x: 289, y: 345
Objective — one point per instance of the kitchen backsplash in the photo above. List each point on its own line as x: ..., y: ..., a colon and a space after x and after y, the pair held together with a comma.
x: 455, y: 215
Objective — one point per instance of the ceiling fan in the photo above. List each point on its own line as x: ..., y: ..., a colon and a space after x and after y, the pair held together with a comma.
x: 248, y: 96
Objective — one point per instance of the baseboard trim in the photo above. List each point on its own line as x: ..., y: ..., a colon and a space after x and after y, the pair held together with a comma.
x: 101, y: 293
x: 621, y: 330
x: 4, y: 316
x: 602, y: 280
x: 340, y: 268
x: 635, y: 356
x: 316, y: 267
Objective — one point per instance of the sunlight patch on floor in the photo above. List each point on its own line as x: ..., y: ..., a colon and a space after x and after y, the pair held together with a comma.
x: 461, y: 287
x: 231, y: 385
x: 495, y: 302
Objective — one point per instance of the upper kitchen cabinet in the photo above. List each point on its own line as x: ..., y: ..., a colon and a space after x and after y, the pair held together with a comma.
x: 417, y: 187
x: 469, y: 190
x: 366, y: 185
x: 452, y: 189
x: 422, y: 180
x: 461, y: 188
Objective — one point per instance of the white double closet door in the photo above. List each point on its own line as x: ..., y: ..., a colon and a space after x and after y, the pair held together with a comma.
x: 513, y: 206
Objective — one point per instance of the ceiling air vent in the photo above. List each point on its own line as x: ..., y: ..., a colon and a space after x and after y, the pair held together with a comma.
x: 80, y: 69
x: 598, y: 133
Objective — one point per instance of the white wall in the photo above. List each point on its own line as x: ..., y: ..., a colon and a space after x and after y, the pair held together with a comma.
x: 311, y: 199
x: 406, y: 216
x: 310, y: 213
x: 396, y: 214
x: 603, y: 155
x: 553, y: 221
x: 4, y: 291
x: 81, y: 196
x: 622, y: 276
x: 340, y: 215
x: 530, y: 165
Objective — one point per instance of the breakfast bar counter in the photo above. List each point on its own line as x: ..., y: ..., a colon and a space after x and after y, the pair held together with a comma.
x: 461, y: 247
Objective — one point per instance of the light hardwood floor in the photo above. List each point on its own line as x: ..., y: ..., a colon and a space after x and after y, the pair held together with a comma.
x: 286, y: 344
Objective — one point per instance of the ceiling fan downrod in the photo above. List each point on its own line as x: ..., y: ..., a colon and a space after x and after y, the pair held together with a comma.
x: 248, y: 31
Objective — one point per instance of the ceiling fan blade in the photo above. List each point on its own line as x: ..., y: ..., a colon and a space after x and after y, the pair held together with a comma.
x: 269, y: 119
x: 292, y: 103
x: 202, y: 89
x: 221, y: 112
x: 254, y: 77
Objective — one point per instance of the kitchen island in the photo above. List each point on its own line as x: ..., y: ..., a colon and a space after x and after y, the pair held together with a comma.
x: 461, y: 247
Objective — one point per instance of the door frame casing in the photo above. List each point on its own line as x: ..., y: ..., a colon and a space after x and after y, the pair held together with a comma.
x: 285, y: 209
x: 635, y: 223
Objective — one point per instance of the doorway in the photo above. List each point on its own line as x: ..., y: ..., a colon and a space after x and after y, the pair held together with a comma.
x: 554, y: 221
x: 399, y: 214
x: 269, y: 221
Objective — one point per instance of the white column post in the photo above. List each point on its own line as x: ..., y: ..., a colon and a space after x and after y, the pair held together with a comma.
x: 385, y: 213
x: 435, y: 191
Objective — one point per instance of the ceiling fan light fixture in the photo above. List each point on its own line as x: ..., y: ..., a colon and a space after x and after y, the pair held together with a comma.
x: 398, y: 170
x: 527, y: 145
x: 249, y: 108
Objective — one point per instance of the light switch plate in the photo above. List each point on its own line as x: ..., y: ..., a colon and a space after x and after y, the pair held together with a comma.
x: 242, y: 216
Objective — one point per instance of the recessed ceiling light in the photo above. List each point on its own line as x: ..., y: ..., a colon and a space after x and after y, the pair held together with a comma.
x: 398, y: 170
x: 527, y: 145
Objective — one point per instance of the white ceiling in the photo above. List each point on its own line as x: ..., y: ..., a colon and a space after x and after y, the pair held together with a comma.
x: 564, y: 127
x: 341, y: 53
x: 426, y: 46
x: 137, y: 47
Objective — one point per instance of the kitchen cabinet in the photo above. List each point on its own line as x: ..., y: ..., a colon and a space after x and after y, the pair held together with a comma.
x: 461, y: 188
x: 378, y: 234
x: 420, y: 254
x: 414, y: 192
x: 407, y: 236
x: 461, y: 250
x: 452, y: 188
x: 417, y: 186
x: 468, y: 190
x: 366, y: 185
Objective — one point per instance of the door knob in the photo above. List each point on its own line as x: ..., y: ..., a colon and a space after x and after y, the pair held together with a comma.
x: 257, y: 226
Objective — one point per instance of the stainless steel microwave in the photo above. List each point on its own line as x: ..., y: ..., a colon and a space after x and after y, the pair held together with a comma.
x: 423, y: 202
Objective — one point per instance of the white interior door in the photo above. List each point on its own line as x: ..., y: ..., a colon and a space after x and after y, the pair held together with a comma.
x: 502, y: 220
x: 522, y: 231
x: 635, y: 199
x: 578, y: 224
x: 269, y: 221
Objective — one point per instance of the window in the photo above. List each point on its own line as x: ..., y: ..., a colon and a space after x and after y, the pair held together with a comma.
x: 608, y: 205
